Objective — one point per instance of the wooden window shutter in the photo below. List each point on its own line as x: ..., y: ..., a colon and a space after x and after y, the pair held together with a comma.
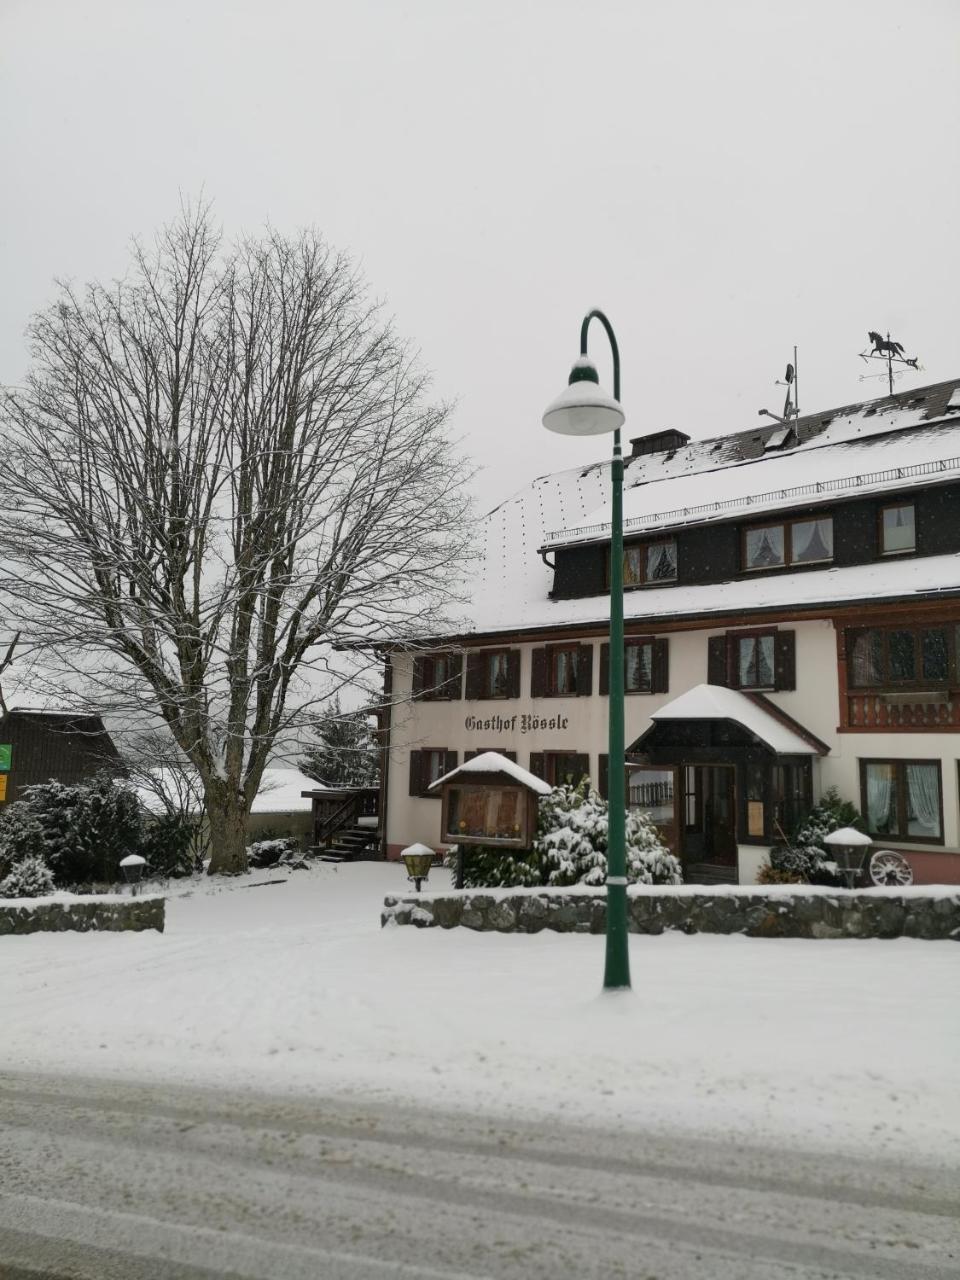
x: 453, y: 687
x: 603, y: 774
x: 419, y: 672
x: 717, y: 671
x: 785, y: 660
x: 585, y: 671
x: 416, y: 773
x: 475, y: 671
x: 537, y: 764
x: 511, y: 755
x: 451, y: 762
x: 581, y: 767
x: 513, y: 673
x: 660, y: 667
x: 538, y: 675
x: 605, y: 669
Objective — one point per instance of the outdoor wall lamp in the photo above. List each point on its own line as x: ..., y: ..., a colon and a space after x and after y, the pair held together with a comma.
x: 584, y: 409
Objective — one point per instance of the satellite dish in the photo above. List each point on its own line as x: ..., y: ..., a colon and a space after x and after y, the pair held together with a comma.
x: 788, y: 376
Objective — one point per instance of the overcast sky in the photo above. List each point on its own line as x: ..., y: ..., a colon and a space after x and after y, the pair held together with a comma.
x: 724, y: 179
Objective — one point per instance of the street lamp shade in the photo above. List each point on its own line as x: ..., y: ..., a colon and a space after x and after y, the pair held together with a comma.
x: 583, y: 408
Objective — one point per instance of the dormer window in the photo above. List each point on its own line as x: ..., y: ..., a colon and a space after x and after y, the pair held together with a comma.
x: 648, y: 564
x: 790, y: 542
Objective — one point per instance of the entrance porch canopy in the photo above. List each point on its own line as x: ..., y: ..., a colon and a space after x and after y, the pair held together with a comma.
x: 750, y: 711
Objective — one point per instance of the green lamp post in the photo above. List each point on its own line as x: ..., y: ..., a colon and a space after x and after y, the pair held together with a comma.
x: 584, y: 409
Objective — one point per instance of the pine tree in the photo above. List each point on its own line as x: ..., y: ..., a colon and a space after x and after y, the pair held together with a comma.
x: 345, y: 754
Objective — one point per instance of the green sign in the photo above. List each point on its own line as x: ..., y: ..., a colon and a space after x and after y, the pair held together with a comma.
x: 6, y: 750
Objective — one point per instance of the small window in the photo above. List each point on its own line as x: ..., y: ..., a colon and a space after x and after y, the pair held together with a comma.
x: 898, y: 530
x: 564, y: 767
x: 493, y: 673
x: 426, y: 766
x: 638, y: 667
x: 437, y: 676
x: 902, y: 799
x: 755, y: 662
x: 647, y: 564
x: 562, y: 670
x: 775, y: 546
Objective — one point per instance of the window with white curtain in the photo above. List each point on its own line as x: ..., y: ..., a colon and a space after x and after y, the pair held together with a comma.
x: 903, y: 799
x: 789, y: 542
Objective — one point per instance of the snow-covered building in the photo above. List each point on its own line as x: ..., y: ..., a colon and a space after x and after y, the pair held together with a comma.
x: 792, y: 613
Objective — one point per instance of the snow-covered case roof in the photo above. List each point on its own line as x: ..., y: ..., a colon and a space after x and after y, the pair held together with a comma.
x: 494, y: 762
x: 894, y: 443
x: 714, y: 702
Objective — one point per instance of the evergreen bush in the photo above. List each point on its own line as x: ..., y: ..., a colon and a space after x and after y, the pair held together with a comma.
x: 169, y: 845
x: 571, y: 848
x: 80, y: 831
x: 29, y: 877
x: 808, y: 858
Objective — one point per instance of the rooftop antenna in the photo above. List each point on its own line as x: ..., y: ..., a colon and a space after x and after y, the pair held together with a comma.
x: 892, y: 353
x: 791, y: 405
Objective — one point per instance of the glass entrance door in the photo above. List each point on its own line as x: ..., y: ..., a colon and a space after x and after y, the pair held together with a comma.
x: 709, y: 815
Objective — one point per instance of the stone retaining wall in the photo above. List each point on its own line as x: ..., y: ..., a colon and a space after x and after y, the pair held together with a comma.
x: 81, y: 915
x: 772, y: 914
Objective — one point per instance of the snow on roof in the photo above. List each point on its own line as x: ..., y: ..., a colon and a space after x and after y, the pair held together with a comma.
x: 713, y: 702
x: 494, y: 762
x: 279, y: 791
x: 817, y: 471
x: 895, y: 435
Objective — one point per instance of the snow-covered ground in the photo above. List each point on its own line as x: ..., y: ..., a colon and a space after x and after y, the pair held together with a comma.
x: 294, y: 986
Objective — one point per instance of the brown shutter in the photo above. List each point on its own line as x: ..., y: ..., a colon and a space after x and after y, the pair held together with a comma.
x: 475, y: 675
x: 537, y: 765
x: 785, y: 660
x: 538, y: 674
x: 660, y: 667
x: 585, y: 671
x: 717, y: 660
x: 419, y: 670
x: 511, y: 755
x: 605, y: 668
x: 453, y: 688
x: 416, y: 774
x: 451, y: 762
x: 603, y: 774
x: 581, y: 767
x: 513, y: 673
x: 468, y: 755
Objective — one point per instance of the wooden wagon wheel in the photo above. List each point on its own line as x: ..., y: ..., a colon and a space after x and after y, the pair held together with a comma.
x: 889, y: 868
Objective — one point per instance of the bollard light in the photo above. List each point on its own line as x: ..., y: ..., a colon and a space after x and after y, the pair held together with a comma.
x: 132, y: 867
x: 418, y: 859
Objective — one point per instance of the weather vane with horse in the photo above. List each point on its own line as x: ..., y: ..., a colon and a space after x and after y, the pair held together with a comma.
x: 889, y: 351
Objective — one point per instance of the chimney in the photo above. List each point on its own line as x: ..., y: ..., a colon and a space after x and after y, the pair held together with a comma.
x: 657, y: 442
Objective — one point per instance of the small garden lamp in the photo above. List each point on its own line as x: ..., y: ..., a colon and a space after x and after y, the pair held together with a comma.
x: 584, y: 409
x: 853, y: 845
x: 418, y: 859
x: 132, y: 867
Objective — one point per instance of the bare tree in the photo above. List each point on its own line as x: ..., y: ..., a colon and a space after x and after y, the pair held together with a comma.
x: 219, y: 468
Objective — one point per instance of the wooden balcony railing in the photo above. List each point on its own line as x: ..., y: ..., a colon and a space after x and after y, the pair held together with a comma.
x: 939, y: 709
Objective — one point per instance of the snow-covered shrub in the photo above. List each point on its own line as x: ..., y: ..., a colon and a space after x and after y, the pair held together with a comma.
x: 807, y: 858
x: 169, y: 845
x: 572, y: 841
x: 30, y: 877
x: 766, y: 874
x: 268, y: 853
x: 79, y: 831
x: 485, y: 866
